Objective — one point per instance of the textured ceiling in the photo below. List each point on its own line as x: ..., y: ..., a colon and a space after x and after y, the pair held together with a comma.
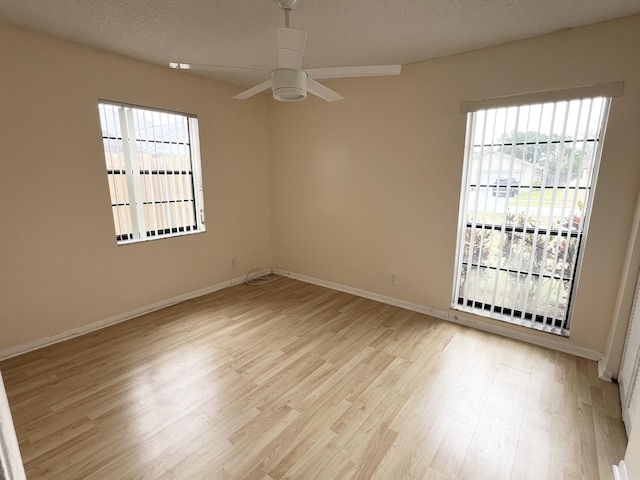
x: 241, y: 33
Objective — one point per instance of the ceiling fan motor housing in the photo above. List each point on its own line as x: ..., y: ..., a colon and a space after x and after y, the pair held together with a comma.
x: 289, y: 85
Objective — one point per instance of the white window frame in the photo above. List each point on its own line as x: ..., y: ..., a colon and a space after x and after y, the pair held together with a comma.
x: 492, y: 309
x: 144, y: 222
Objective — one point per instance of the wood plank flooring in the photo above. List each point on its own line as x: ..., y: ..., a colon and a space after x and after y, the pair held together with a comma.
x: 291, y: 380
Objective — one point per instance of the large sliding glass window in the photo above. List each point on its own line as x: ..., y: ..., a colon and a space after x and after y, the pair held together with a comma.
x: 530, y: 170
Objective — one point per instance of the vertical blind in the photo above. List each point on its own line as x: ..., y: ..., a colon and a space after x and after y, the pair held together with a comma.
x: 153, y: 171
x: 526, y: 198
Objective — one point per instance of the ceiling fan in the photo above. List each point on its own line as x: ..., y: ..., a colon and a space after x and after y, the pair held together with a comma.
x: 289, y: 82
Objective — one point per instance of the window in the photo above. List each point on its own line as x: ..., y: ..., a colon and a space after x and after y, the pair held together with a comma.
x: 153, y: 168
x: 529, y: 173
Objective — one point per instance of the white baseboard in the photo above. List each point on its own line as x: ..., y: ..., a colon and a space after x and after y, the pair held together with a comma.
x: 620, y: 471
x: 61, y: 337
x: 452, y: 317
x: 603, y: 373
x: 474, y: 322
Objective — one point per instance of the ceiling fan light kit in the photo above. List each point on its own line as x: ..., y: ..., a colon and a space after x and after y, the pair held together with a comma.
x: 289, y: 82
x: 289, y: 85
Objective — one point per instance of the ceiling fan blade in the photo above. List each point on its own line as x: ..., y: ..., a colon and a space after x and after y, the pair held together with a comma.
x: 214, y: 68
x: 345, y: 72
x: 321, y: 91
x: 291, y: 44
x: 261, y: 87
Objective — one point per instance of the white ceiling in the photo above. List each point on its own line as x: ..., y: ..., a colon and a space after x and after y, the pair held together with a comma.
x: 241, y: 33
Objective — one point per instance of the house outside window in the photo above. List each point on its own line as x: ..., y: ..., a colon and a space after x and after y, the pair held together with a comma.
x: 530, y: 169
x: 154, y: 173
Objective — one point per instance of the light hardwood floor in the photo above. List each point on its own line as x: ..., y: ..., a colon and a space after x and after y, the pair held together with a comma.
x: 290, y: 380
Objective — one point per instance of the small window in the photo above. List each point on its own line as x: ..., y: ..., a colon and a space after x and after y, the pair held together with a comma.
x: 526, y: 198
x: 153, y: 169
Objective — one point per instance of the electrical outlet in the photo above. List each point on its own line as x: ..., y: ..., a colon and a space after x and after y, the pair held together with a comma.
x: 234, y: 262
x: 392, y: 278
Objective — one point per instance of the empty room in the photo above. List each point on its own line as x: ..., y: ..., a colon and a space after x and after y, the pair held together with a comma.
x: 296, y: 239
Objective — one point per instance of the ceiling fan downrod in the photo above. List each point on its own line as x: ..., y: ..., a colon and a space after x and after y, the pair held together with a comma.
x: 287, y: 6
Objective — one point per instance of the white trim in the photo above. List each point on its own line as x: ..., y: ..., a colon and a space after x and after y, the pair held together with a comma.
x: 626, y: 419
x: 61, y: 337
x: 629, y: 376
x: 603, y: 373
x: 613, y: 89
x: 196, y: 170
x: 620, y: 471
x: 469, y: 321
x: 9, y: 448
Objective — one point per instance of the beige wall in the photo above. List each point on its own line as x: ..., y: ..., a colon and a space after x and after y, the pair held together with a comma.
x: 371, y: 184
x: 61, y: 267
x: 358, y: 188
